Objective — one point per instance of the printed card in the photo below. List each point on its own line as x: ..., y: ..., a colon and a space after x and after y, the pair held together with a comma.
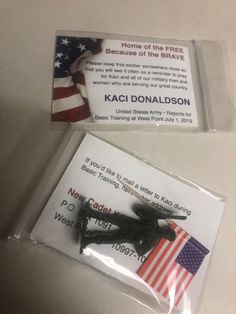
x: 123, y: 82
x: 105, y: 176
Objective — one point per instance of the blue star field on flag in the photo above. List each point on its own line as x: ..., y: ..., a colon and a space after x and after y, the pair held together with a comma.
x: 68, y: 49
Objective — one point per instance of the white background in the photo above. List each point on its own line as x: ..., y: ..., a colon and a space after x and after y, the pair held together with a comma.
x: 38, y: 280
x: 96, y: 93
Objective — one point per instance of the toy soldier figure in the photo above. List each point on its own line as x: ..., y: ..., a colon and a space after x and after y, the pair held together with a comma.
x: 143, y: 233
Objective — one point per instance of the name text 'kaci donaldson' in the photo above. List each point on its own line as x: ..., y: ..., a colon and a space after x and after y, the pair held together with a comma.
x: 147, y: 99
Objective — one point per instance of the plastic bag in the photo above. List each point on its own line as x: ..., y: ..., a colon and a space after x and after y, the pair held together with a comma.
x: 93, y: 174
x: 114, y: 82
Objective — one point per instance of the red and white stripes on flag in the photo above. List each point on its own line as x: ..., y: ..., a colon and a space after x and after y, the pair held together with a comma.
x: 70, y: 100
x: 171, y: 266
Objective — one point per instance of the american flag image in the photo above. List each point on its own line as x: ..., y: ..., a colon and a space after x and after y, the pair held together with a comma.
x: 70, y: 100
x: 171, y: 266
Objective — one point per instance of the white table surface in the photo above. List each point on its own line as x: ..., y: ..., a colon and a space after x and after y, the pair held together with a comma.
x: 36, y: 279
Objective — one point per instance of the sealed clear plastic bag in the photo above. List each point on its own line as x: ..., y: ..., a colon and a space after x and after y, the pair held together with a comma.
x: 114, y: 82
x: 137, y: 223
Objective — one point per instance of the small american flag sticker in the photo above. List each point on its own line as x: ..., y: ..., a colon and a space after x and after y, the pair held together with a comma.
x: 171, y: 266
